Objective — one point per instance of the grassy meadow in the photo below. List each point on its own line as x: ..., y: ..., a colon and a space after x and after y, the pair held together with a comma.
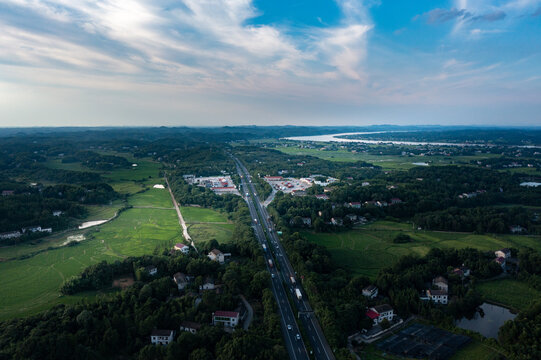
x: 387, y: 162
x: 34, y: 278
x: 509, y: 292
x: 206, y: 224
x: 370, y: 248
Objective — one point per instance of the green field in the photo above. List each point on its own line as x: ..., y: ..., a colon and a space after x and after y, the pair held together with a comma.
x: 509, y: 292
x: 124, y: 181
x: 192, y: 214
x: 370, y: 248
x: 476, y: 350
x: 206, y: 224
x: 387, y: 162
x: 34, y: 282
x: 204, y: 232
x: 152, y: 197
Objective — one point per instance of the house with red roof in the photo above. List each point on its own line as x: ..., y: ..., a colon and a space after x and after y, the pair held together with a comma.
x: 227, y: 318
x: 183, y: 248
x: 380, y: 312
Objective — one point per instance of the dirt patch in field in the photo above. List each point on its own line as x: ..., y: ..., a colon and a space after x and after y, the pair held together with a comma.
x: 123, y: 282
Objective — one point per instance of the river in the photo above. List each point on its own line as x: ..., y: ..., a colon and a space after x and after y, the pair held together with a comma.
x: 338, y: 138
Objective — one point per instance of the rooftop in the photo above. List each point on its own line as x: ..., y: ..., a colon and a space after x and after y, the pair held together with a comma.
x: 382, y: 308
x: 226, y: 313
x: 159, y: 332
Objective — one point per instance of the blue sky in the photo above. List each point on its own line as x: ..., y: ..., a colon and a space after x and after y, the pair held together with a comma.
x: 297, y: 62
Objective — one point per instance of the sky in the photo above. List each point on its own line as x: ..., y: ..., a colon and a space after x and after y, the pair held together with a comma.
x: 269, y: 62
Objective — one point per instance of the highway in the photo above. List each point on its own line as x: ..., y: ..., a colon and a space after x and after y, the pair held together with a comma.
x: 281, y: 273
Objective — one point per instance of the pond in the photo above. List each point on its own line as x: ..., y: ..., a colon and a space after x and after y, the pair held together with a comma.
x: 489, y: 323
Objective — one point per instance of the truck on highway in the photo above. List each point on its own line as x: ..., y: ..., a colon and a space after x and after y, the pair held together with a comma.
x: 292, y: 280
x: 255, y: 220
x: 270, y: 263
x: 298, y: 293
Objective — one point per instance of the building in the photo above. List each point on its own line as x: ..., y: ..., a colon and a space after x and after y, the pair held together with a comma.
x: 208, y: 284
x: 190, y: 326
x: 185, y: 249
x: 227, y: 318
x: 57, y: 213
x: 441, y: 283
x: 216, y: 255
x: 371, y: 291
x: 8, y: 192
x: 151, y: 270
x: 438, y: 296
x: 503, y: 253
x: 10, y: 235
x: 355, y: 205
x: 337, y: 221
x: 322, y: 197
x: 395, y: 201
x: 462, y: 271
x: 500, y: 261
x: 162, y: 337
x: 380, y: 312
x: 181, y: 280
x: 517, y: 229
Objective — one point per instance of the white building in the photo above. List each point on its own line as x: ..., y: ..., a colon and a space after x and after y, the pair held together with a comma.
x: 441, y: 283
x: 185, y: 249
x: 190, y: 326
x: 503, y: 253
x: 162, y: 337
x: 10, y: 235
x: 181, y: 281
x: 438, y: 296
x: 380, y: 312
x: 151, y: 270
x: 227, y: 318
x: 216, y: 255
x: 370, y: 291
x: 208, y: 284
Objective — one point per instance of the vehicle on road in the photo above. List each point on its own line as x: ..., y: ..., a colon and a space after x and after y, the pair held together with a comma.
x: 272, y: 275
x: 270, y: 263
x: 292, y: 280
x: 298, y: 336
x: 289, y: 327
x: 298, y: 293
x: 264, y: 247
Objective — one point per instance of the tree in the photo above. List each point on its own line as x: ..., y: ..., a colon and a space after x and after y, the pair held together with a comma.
x: 385, y: 324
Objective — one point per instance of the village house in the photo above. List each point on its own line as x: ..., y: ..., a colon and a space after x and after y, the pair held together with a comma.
x: 355, y: 205
x: 517, y: 229
x: 181, y: 280
x: 371, y: 291
x: 190, y: 326
x: 208, y: 284
x: 441, y: 283
x: 10, y: 235
x: 227, y: 318
x: 162, y: 337
x: 438, y: 296
x: 365, y: 183
x: 462, y: 271
x: 337, y: 221
x: 322, y: 197
x: 216, y: 255
x: 395, y: 201
x: 352, y: 217
x: 57, y: 213
x: 380, y: 312
x: 441, y: 292
x: 503, y: 253
x: 185, y: 249
x: 8, y: 192
x: 151, y: 270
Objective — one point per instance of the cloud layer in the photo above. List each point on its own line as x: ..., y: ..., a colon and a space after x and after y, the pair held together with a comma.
x: 191, y: 57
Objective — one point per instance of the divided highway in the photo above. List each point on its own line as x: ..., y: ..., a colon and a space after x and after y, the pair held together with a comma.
x: 284, y: 280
